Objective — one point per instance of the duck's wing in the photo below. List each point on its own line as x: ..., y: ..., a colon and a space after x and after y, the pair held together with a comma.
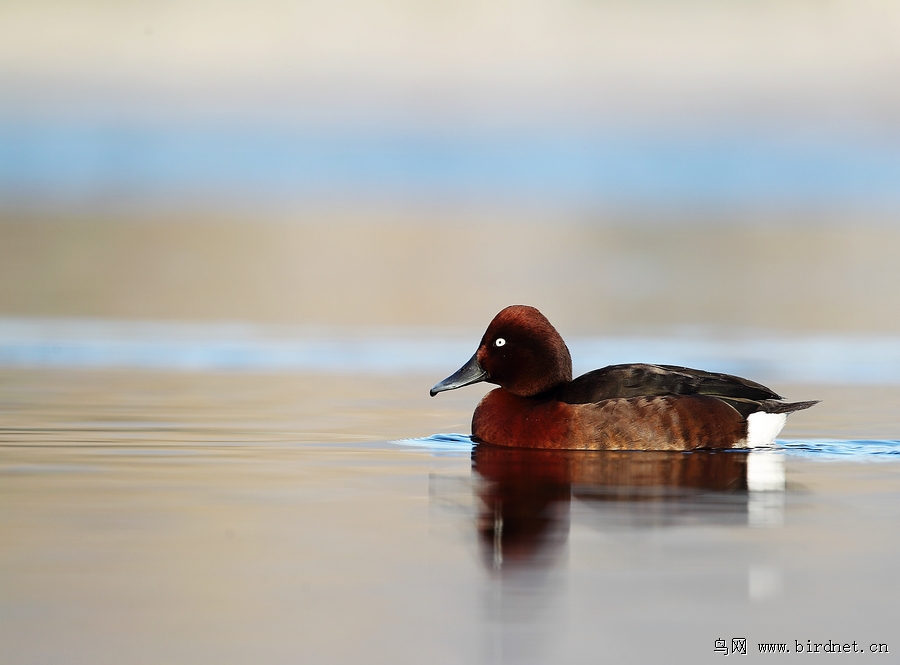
x: 641, y: 380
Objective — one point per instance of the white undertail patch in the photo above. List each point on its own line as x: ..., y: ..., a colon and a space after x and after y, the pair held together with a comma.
x: 762, y: 428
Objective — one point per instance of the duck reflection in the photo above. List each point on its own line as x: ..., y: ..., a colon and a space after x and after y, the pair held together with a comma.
x: 526, y: 495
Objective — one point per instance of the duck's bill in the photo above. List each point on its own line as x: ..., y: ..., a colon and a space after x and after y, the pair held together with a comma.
x: 468, y: 374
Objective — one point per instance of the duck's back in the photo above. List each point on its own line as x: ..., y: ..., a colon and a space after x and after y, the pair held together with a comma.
x: 643, y: 380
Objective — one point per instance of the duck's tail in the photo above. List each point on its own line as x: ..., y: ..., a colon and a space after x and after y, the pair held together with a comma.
x: 777, y: 406
x: 764, y: 424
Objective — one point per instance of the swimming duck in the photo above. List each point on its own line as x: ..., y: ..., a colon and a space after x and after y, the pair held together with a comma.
x: 620, y: 407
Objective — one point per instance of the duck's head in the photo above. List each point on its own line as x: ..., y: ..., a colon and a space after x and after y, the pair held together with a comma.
x: 520, y: 351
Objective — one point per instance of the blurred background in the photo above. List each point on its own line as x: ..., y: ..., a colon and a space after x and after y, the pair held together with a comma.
x: 324, y: 202
x: 627, y: 167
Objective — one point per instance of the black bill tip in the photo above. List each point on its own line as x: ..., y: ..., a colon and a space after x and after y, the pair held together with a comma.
x: 468, y: 374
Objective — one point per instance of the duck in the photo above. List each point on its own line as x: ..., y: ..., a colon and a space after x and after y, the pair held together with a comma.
x: 637, y: 406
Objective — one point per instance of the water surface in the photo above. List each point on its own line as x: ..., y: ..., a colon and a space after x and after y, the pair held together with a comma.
x: 184, y: 516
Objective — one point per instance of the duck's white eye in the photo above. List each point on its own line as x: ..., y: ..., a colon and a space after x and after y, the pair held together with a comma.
x: 499, y: 341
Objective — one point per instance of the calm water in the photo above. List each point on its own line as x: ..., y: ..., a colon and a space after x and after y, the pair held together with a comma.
x: 209, y: 516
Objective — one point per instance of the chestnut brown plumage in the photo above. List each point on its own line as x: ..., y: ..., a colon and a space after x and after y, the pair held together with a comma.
x: 621, y: 407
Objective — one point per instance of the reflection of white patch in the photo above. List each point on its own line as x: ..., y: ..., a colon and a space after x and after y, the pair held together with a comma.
x: 764, y: 582
x: 765, y: 472
x: 762, y: 428
x: 765, y: 509
x: 766, y: 482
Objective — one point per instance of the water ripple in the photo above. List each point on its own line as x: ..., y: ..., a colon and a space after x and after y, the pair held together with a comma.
x: 850, y: 450
x: 854, y: 450
x: 441, y: 445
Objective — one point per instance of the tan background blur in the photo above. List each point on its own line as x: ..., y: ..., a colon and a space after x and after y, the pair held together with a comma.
x: 589, y: 279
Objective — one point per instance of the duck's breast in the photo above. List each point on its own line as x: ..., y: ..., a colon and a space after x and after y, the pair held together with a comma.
x: 504, y: 419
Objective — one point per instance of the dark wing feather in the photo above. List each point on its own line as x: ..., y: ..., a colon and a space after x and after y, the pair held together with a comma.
x: 640, y: 380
